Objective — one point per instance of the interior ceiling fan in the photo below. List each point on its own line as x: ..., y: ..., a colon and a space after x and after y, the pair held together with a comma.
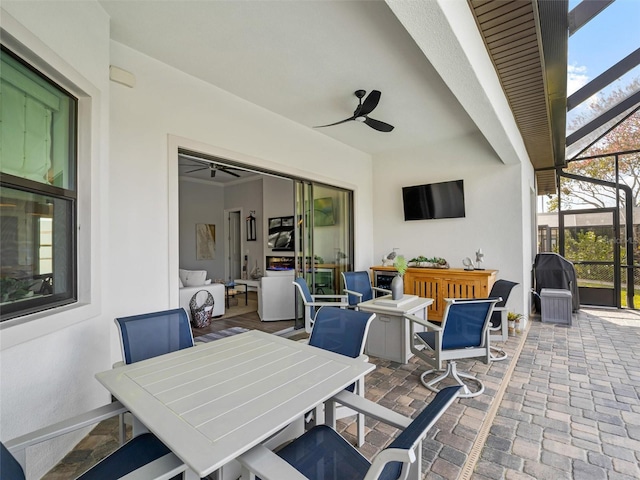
x: 213, y: 167
x: 362, y: 111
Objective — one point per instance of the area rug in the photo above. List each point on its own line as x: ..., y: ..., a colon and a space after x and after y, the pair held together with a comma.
x: 227, y: 332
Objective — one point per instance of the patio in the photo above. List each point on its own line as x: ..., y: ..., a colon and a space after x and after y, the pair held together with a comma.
x: 567, y: 407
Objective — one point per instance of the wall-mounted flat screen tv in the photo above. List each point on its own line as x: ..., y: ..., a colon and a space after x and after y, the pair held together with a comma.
x: 434, y: 200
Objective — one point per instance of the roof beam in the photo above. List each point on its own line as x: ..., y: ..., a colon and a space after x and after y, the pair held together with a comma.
x: 604, y: 79
x: 605, y: 117
x: 584, y: 12
x: 555, y: 38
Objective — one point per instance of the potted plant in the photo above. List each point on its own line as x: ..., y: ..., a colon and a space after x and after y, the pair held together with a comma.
x: 514, y: 320
x: 397, y: 284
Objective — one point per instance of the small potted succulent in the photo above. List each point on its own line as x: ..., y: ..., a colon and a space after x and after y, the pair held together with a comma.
x: 515, y: 322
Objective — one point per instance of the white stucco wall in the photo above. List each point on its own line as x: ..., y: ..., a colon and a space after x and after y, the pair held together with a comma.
x: 201, y: 203
x: 168, y: 103
x: 47, y: 365
x: 493, y: 203
x: 52, y: 377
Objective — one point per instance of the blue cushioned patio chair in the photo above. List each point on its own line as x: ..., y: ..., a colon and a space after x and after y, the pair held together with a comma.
x: 322, y: 454
x: 499, y: 328
x: 152, y: 334
x: 313, y: 303
x: 359, y: 289
x: 464, y: 333
x: 149, y: 335
x: 144, y: 454
x: 345, y: 332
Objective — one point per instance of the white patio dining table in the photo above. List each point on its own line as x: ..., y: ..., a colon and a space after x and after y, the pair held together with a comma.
x: 212, y: 402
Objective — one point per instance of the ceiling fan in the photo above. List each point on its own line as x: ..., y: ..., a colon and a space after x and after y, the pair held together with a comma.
x: 362, y: 111
x: 213, y: 168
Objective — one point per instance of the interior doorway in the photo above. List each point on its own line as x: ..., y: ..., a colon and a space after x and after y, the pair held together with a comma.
x: 324, y: 218
x: 233, y: 244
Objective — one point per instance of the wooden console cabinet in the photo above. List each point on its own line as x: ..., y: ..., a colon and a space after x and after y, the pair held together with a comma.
x: 441, y: 283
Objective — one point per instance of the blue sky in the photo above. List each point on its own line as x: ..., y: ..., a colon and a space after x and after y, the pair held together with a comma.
x: 605, y: 40
x: 608, y: 38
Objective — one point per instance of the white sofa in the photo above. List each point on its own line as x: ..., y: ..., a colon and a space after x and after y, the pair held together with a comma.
x: 276, y: 296
x: 191, y: 282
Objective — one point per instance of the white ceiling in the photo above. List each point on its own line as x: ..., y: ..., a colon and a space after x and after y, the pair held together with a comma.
x: 302, y: 60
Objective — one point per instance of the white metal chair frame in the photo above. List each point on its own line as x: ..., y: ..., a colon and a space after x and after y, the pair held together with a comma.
x: 343, y: 411
x: 261, y: 461
x: 500, y: 333
x: 317, y: 301
x: 165, y: 467
x: 503, y: 336
x: 418, y: 347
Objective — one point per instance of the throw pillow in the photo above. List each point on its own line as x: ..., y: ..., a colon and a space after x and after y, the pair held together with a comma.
x: 193, y: 278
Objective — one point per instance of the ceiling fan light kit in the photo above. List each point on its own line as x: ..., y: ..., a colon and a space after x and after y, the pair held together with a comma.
x: 362, y: 111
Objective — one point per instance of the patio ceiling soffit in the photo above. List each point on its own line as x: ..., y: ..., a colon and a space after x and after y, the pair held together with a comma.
x: 527, y: 43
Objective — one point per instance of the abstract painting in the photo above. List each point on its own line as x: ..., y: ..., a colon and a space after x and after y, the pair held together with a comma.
x: 323, y: 212
x: 205, y: 241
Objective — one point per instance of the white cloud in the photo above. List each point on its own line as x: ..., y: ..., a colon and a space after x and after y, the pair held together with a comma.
x: 576, y: 78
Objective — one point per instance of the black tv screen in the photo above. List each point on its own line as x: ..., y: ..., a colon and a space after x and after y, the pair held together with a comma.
x: 434, y: 200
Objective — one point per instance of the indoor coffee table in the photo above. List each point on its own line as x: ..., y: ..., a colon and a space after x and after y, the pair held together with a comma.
x: 246, y: 284
x: 229, y: 292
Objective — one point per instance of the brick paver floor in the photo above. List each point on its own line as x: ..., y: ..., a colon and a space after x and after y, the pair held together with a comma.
x: 449, y: 443
x: 571, y: 410
x: 568, y: 407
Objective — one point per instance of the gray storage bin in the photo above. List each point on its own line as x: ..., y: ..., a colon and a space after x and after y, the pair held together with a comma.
x: 556, y: 306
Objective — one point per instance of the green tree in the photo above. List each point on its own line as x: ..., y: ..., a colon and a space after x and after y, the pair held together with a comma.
x: 625, y: 137
x: 586, y: 245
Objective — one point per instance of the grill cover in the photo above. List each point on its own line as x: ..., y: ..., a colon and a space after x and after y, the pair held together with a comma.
x: 554, y: 271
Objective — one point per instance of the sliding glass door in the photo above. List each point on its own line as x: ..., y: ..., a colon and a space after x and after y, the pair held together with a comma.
x: 324, y: 244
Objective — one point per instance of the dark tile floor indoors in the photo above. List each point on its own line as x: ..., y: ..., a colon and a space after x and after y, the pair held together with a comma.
x: 564, y: 405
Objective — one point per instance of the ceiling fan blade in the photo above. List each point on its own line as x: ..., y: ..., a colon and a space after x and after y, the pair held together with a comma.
x: 337, y: 123
x: 197, y: 161
x: 229, y: 172
x: 378, y: 125
x: 197, y: 169
x: 369, y: 104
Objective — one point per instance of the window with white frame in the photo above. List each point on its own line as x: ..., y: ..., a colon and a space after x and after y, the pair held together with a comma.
x: 38, y: 187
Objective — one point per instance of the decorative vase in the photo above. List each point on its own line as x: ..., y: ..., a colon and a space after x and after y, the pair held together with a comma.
x: 397, y: 288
